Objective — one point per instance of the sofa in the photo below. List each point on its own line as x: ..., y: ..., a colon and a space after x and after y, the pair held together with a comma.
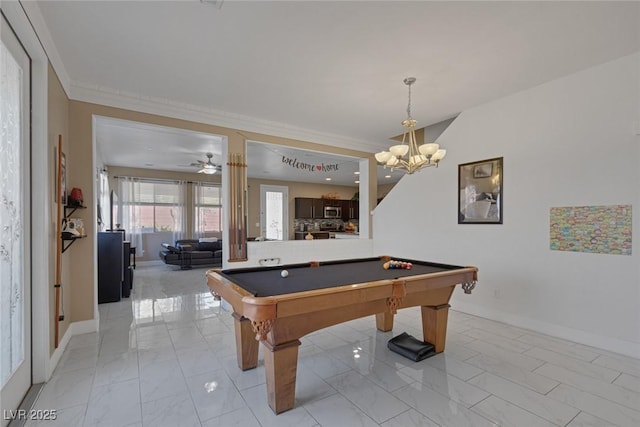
x: 189, y: 252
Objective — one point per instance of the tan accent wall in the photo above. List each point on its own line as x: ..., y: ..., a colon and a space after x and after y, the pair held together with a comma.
x: 58, y: 124
x: 384, y: 189
x: 82, y: 270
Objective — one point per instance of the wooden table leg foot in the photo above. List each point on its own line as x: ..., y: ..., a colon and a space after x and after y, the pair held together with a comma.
x: 280, y: 365
x: 434, y: 325
x: 384, y: 321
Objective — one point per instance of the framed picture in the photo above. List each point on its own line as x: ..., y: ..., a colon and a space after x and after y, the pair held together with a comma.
x: 480, y: 192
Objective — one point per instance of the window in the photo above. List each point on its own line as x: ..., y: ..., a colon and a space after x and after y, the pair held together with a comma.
x: 156, y: 205
x: 208, y: 209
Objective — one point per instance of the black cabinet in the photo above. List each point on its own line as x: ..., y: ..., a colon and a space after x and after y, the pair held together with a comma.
x: 308, y: 208
x: 350, y: 209
x: 127, y: 282
x: 111, y: 258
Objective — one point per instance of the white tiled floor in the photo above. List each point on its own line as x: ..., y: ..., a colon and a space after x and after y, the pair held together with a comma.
x: 166, y: 357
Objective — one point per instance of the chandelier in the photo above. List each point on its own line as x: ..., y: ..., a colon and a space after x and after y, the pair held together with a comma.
x: 409, y: 156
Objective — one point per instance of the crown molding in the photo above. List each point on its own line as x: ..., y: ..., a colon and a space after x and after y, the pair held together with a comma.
x: 178, y: 110
x: 166, y: 107
x: 32, y: 10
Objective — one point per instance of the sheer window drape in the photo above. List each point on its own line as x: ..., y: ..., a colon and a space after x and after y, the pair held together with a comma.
x: 104, y: 211
x: 198, y: 228
x: 208, y: 210
x: 128, y: 211
x: 178, y: 212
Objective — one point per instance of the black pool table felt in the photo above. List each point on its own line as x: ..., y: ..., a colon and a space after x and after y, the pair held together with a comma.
x: 267, y: 281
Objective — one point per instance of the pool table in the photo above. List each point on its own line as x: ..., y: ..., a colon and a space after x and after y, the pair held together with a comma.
x: 278, y: 311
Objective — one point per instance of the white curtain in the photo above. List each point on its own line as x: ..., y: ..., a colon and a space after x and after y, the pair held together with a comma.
x: 198, y: 228
x: 178, y: 212
x: 11, y: 215
x: 128, y: 215
x: 104, y: 212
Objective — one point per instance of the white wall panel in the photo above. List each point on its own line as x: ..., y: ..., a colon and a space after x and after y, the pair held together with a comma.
x: 569, y: 142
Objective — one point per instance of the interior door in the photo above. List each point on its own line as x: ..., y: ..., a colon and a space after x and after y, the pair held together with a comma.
x: 15, y: 273
x: 274, y: 212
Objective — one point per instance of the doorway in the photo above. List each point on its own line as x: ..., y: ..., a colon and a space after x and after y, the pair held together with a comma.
x: 274, y: 212
x: 15, y: 225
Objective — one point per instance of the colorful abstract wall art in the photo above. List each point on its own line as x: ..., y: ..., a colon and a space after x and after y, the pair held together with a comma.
x: 592, y: 229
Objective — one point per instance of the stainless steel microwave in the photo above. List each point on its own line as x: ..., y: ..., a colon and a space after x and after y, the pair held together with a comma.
x: 332, y: 212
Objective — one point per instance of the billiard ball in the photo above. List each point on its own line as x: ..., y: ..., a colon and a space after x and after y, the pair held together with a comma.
x: 284, y: 273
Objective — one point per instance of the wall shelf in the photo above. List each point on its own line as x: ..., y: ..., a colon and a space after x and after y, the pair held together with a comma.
x: 69, y: 239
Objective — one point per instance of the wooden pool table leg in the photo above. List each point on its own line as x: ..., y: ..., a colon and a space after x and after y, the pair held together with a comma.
x: 246, y: 343
x: 434, y: 325
x: 281, y: 365
x: 384, y: 321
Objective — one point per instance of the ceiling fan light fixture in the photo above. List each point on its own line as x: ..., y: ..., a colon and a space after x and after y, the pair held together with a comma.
x: 208, y: 167
x: 207, y: 170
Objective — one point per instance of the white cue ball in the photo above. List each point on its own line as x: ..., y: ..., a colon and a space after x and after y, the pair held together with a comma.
x: 284, y: 273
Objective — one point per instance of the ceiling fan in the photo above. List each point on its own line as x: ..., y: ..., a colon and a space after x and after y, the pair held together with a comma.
x: 207, y: 167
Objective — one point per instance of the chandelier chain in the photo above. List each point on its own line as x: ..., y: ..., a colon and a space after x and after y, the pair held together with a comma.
x: 409, y: 103
x: 409, y: 81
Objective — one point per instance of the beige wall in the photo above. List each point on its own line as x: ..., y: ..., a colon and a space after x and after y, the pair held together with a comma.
x: 296, y: 189
x: 58, y: 124
x: 80, y: 292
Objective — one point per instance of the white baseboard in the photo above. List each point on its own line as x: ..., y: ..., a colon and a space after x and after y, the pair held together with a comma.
x: 613, y: 345
x: 75, y: 328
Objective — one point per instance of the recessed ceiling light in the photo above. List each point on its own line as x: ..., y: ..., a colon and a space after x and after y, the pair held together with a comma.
x: 327, y: 179
x: 357, y: 182
x: 387, y: 176
x: 356, y: 173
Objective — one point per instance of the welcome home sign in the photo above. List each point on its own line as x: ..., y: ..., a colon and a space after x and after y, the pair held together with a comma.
x: 321, y: 167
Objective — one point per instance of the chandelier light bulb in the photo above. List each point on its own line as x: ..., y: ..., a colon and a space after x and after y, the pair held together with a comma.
x: 383, y: 156
x: 439, y: 155
x: 399, y: 150
x: 392, y: 161
x: 429, y: 149
x: 417, y: 160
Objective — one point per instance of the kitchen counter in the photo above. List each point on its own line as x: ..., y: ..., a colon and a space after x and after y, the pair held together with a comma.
x: 345, y: 235
x: 300, y: 235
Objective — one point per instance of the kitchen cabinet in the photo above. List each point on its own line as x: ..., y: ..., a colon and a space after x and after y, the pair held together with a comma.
x: 308, y: 208
x: 350, y: 209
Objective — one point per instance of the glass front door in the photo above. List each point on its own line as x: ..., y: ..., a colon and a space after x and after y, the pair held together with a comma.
x: 15, y: 277
x: 274, y: 212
